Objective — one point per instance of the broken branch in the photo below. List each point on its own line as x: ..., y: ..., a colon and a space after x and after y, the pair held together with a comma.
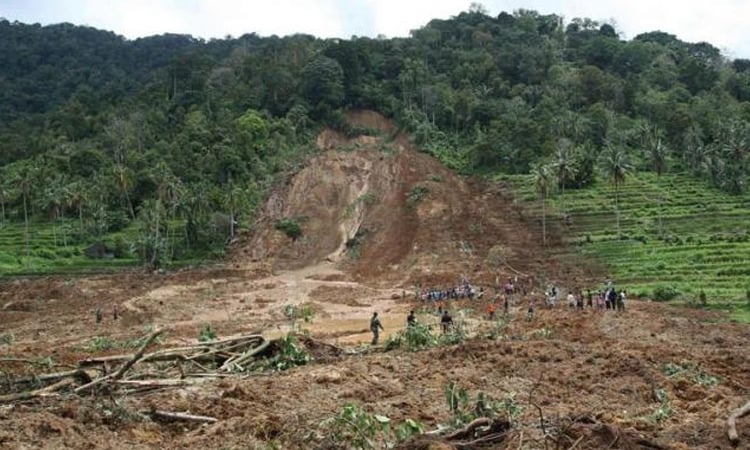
x: 734, y: 438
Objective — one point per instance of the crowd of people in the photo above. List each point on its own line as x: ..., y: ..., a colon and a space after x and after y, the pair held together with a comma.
x: 509, y: 293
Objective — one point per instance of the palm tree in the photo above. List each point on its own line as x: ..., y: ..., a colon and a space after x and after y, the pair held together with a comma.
x: 169, y: 191
x: 658, y: 154
x: 76, y: 197
x: 24, y: 180
x: 563, y: 166
x: 543, y: 183
x: 123, y: 180
x: 695, y: 149
x: 616, y: 167
x: 4, y: 194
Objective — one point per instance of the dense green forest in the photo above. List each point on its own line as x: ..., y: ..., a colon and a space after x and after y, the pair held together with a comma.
x: 177, y: 139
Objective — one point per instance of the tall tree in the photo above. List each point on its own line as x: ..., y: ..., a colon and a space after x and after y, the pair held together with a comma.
x: 616, y: 166
x: 563, y: 166
x: 25, y: 178
x: 543, y: 183
x: 657, y: 150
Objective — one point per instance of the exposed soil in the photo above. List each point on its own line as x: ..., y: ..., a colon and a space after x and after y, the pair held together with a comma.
x: 594, y: 376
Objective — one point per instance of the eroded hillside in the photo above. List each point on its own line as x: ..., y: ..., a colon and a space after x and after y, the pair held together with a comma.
x: 388, y: 212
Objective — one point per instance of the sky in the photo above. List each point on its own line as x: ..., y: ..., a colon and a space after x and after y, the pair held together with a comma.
x: 719, y: 22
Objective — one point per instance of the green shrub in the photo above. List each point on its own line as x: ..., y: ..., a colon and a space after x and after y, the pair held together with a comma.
x: 290, y: 355
x: 417, y: 194
x: 702, y: 298
x: 290, y: 226
x: 207, y: 333
x: 101, y: 344
x: 665, y: 293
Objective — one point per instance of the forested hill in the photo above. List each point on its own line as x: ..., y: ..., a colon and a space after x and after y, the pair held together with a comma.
x: 115, y: 132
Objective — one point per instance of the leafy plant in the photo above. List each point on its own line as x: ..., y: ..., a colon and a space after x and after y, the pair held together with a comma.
x: 688, y: 370
x: 290, y: 226
x: 296, y: 312
x: 407, y: 429
x: 7, y: 338
x: 542, y: 333
x: 101, y: 344
x: 665, y: 293
x: 207, y: 333
x: 417, y: 194
x: 664, y: 411
x: 290, y: 354
x: 464, y: 409
x: 355, y: 428
x: 413, y: 338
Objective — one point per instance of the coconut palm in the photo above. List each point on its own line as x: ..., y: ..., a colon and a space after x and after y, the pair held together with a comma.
x: 616, y: 167
x: 24, y: 178
x: 563, y: 166
x: 75, y: 198
x: 543, y: 184
x: 657, y: 150
x: 4, y: 195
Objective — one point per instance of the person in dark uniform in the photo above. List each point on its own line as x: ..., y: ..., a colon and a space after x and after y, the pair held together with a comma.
x: 375, y: 327
x: 446, y: 321
x: 411, y: 319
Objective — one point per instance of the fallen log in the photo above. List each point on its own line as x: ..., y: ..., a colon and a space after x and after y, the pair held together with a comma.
x: 125, y: 367
x: 202, y: 351
x: 734, y: 438
x: 48, y: 390
x: 241, y: 359
x: 169, y: 382
x: 51, y: 376
x: 166, y: 415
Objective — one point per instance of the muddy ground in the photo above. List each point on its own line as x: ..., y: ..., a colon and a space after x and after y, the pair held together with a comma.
x: 653, y: 377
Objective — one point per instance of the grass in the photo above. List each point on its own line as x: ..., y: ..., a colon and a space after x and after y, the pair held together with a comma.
x: 703, y: 243
x: 57, y: 248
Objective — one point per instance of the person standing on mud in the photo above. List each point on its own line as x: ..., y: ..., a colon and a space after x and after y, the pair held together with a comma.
x: 375, y: 327
x: 446, y: 321
x: 411, y: 320
x: 530, y: 313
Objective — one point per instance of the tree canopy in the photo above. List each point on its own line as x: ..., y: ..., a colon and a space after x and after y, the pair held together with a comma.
x: 171, y: 126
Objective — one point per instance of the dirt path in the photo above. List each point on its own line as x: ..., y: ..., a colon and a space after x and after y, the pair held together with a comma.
x: 340, y: 309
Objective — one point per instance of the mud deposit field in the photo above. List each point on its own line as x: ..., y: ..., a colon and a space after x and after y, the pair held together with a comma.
x: 271, y: 348
x: 653, y: 377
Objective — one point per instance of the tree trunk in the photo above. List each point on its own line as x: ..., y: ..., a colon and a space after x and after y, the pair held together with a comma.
x: 155, y: 249
x: 231, y: 224
x: 26, y: 224
x: 64, y: 234
x: 617, y: 209
x: 130, y: 205
x: 80, y: 218
x: 544, y: 220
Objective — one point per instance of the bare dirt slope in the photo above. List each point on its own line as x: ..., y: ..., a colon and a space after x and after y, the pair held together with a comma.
x: 599, y: 380
x: 407, y: 219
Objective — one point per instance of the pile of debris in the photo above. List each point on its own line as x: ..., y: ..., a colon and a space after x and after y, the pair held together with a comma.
x: 168, y: 367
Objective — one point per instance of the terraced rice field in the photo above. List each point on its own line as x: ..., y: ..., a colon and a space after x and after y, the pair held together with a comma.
x: 52, y: 249
x: 703, y: 243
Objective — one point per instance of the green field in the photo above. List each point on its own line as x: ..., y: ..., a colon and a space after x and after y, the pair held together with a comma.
x: 703, y: 244
x: 57, y: 249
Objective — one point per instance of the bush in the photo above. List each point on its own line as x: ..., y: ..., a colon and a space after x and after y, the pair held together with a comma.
x: 702, y: 298
x: 290, y: 226
x: 665, y: 293
x: 417, y: 194
x: 207, y: 333
x: 290, y: 355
